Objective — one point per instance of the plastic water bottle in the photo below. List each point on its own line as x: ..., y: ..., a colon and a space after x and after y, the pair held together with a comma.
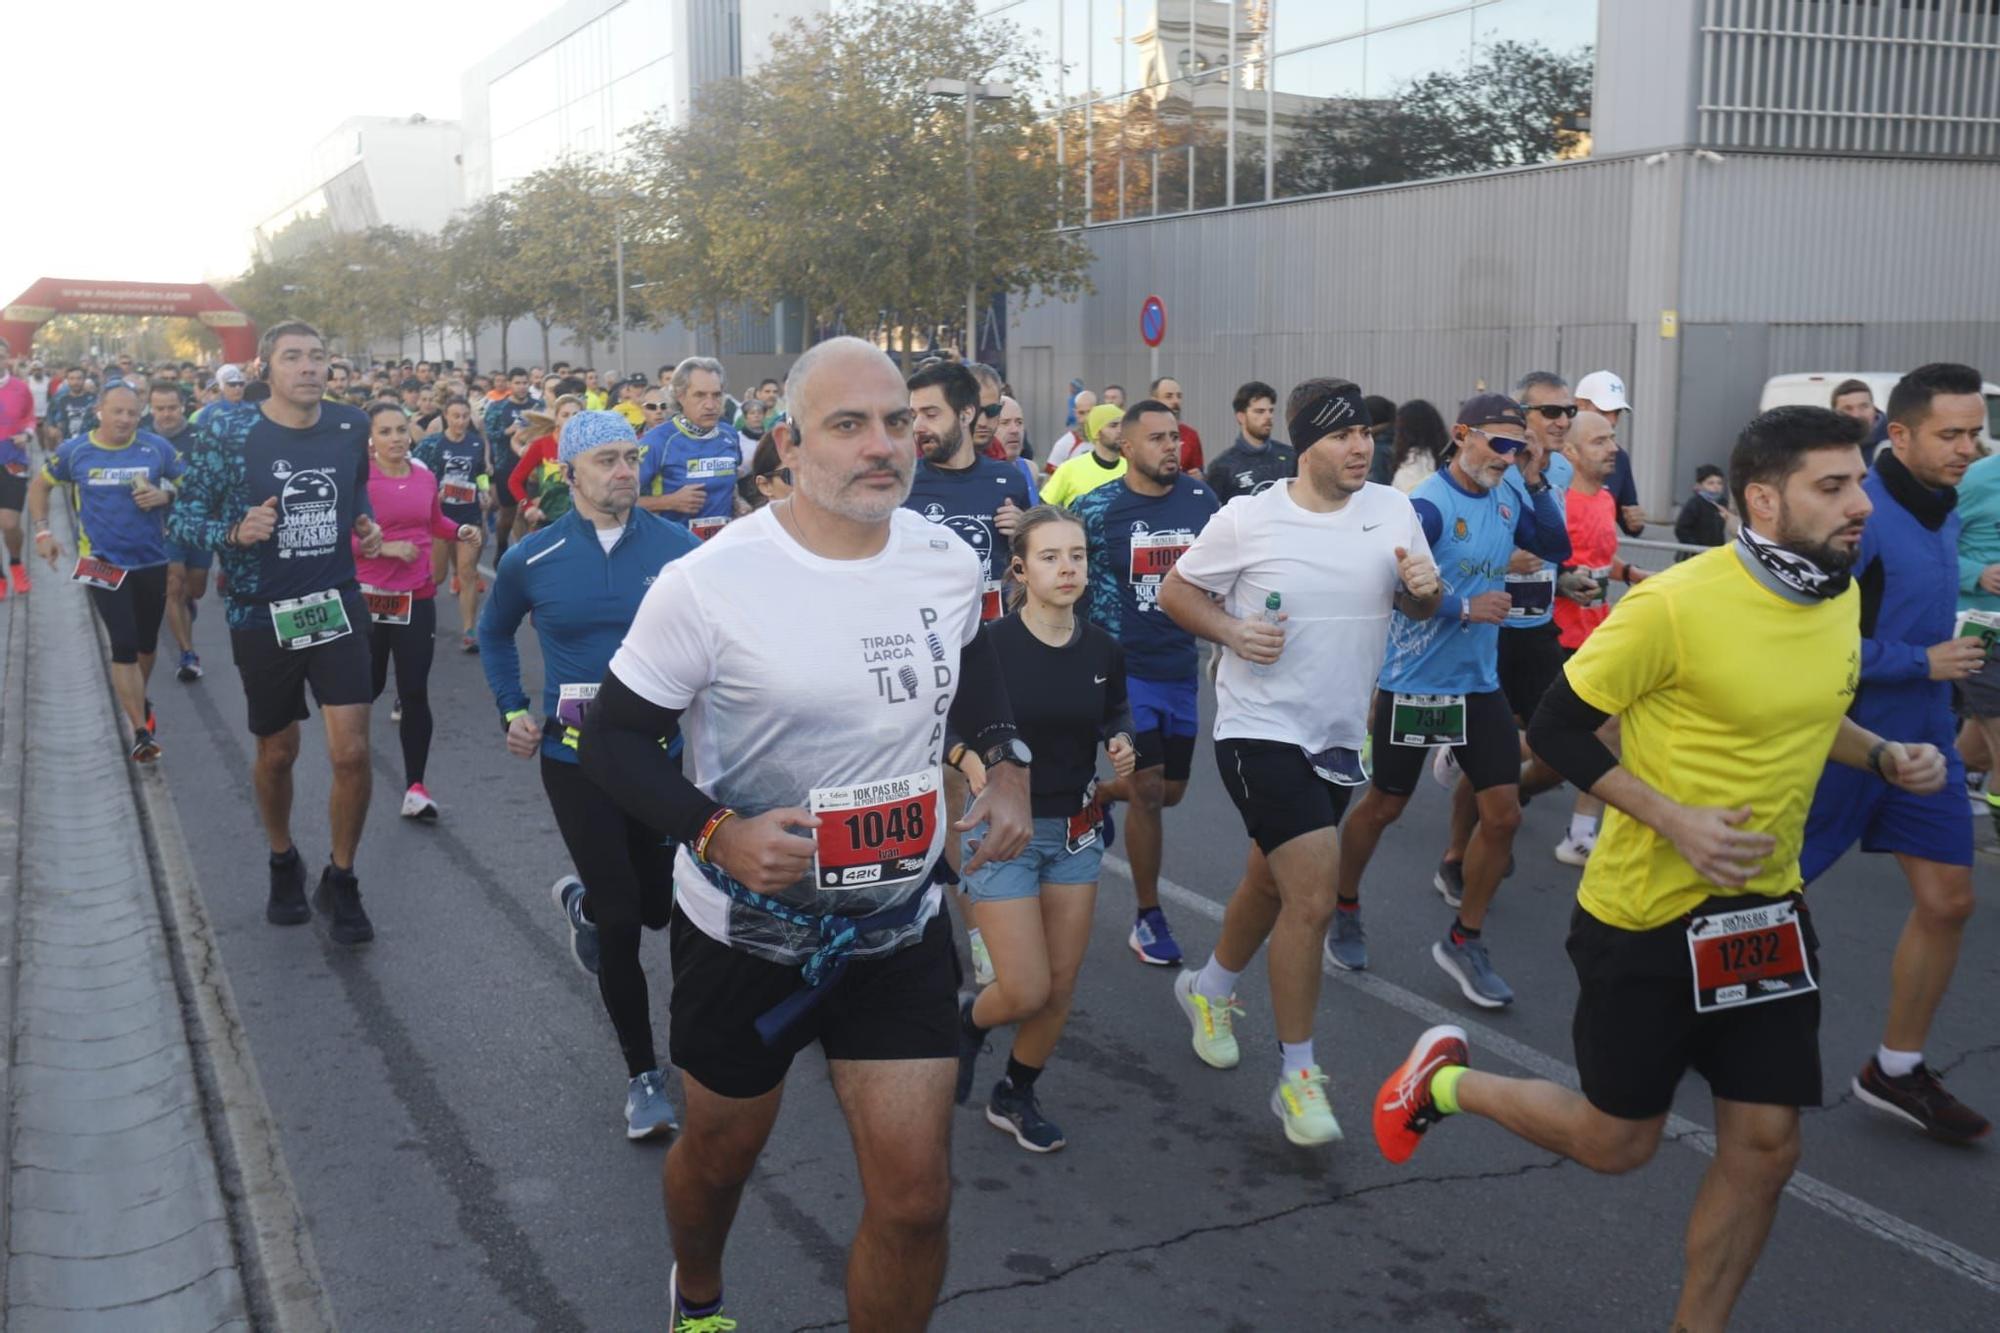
x: 1271, y: 604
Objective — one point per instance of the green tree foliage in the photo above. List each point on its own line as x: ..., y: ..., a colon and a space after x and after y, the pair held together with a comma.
x: 856, y: 198
x: 830, y: 177
x: 1514, y: 106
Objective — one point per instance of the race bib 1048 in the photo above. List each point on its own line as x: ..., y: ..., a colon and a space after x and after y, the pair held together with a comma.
x: 874, y: 834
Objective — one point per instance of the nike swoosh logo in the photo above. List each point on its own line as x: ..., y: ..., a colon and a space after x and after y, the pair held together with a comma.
x: 1099, y: 680
x: 1370, y: 527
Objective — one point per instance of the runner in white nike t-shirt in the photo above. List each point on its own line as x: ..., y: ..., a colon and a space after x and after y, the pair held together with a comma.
x: 1307, y: 572
x: 815, y: 653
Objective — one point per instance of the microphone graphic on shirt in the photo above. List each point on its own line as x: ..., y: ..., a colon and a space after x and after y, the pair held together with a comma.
x: 936, y: 646
x: 908, y: 677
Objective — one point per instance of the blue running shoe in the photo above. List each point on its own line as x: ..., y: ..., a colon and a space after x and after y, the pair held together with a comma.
x: 583, y: 947
x: 647, y: 1111
x: 189, y: 669
x: 1467, y: 964
x: 1015, y: 1111
x: 1152, y: 941
x: 1347, y: 942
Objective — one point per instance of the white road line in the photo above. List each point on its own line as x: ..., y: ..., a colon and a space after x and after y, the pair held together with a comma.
x: 1813, y: 1192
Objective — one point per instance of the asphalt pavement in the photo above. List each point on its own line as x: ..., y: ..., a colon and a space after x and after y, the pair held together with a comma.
x: 450, y: 1099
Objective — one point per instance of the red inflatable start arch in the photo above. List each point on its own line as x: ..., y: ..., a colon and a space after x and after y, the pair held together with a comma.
x: 50, y: 297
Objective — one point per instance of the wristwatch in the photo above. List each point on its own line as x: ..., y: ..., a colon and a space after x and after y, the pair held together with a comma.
x: 1013, y: 750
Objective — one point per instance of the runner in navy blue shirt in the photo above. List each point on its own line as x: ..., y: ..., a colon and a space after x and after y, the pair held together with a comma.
x: 1138, y: 525
x: 278, y: 487
x: 504, y: 431
x: 978, y: 498
x: 458, y: 456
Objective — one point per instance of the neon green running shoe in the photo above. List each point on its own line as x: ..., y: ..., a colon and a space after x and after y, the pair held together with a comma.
x: 680, y: 1321
x: 1213, y: 1023
x: 1300, y: 1102
x: 982, y: 961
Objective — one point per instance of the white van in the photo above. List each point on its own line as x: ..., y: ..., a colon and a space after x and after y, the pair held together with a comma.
x: 1815, y: 389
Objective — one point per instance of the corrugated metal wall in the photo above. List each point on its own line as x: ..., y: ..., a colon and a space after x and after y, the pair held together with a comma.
x: 1852, y: 76
x: 1772, y: 263
x: 1426, y: 290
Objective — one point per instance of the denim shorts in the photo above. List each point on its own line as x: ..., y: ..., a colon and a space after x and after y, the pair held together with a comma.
x: 1043, y: 861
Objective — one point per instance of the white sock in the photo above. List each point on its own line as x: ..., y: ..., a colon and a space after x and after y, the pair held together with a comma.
x: 1583, y: 828
x: 1214, y: 981
x: 1296, y: 1055
x: 1898, y: 1064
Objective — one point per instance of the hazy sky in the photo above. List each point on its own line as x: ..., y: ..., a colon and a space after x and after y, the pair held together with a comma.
x: 181, y: 127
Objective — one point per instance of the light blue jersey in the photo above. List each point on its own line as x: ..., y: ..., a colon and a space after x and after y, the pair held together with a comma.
x: 1535, y: 594
x: 1472, y: 536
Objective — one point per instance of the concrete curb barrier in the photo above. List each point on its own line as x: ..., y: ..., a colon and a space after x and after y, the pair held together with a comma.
x: 280, y: 1278
x: 281, y: 1274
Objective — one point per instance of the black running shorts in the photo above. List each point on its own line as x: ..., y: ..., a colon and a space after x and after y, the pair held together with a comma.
x: 1636, y: 1031
x: 1491, y: 755
x: 903, y: 1006
x: 275, y: 678
x: 1529, y: 661
x: 1277, y: 791
x: 132, y: 611
x: 13, y: 491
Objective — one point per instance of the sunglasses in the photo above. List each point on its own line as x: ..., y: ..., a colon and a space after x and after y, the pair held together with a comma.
x: 1551, y: 411
x: 989, y: 409
x: 654, y: 407
x: 783, y: 474
x: 1499, y: 444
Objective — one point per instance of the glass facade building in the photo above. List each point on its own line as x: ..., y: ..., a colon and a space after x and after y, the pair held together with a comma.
x: 581, y: 93
x: 1170, y: 106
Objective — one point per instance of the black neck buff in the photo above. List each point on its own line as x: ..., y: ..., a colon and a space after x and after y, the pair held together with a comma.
x: 1795, y: 571
x: 1325, y: 415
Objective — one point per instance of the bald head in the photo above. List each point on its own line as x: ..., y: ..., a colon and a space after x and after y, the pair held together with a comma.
x: 1083, y: 402
x: 826, y: 365
x: 850, y: 444
x: 1592, y: 445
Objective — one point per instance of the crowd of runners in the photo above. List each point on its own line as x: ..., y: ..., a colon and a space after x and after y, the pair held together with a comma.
x: 992, y: 669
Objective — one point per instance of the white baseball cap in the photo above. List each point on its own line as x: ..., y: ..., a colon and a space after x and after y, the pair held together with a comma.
x: 1604, y: 388
x: 229, y: 375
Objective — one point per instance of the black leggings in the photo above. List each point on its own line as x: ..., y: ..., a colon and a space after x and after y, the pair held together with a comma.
x: 412, y: 645
x: 627, y: 875
x: 131, y: 615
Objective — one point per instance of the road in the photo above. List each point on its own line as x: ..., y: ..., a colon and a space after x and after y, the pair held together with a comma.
x: 451, y: 1101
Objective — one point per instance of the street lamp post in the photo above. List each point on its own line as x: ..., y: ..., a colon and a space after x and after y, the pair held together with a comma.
x: 973, y: 93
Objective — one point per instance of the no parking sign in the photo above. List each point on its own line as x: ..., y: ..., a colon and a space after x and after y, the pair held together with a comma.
x: 1152, y: 320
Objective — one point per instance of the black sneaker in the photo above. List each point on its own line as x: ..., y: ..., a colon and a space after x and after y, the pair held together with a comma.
x: 145, y: 749
x: 339, y: 897
x: 969, y: 1048
x: 1015, y: 1111
x: 1921, y: 1099
x: 288, y: 906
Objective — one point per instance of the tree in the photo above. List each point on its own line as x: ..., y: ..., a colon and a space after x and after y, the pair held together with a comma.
x: 855, y: 200
x: 565, y: 230
x: 683, y: 243
x: 1515, y: 105
x: 481, y: 254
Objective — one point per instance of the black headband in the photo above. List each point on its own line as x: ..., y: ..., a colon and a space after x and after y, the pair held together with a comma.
x: 1326, y: 415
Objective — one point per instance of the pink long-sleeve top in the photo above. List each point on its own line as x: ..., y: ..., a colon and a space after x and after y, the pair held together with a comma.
x: 407, y: 509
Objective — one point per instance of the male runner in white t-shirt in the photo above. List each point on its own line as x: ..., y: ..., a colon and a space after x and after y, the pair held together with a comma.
x: 1292, y: 697
x: 815, y: 652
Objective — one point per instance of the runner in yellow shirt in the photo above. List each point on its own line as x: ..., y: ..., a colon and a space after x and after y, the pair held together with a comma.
x: 1731, y: 674
x: 1103, y: 461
